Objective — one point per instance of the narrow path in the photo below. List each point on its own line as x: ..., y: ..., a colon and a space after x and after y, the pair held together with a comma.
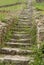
x: 18, y: 49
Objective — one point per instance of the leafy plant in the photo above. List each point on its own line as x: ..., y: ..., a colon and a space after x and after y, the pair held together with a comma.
x: 38, y: 60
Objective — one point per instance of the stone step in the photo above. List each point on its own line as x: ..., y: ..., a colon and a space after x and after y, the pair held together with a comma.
x: 22, y: 29
x: 22, y: 32
x: 16, y: 30
x: 22, y: 15
x: 21, y: 60
x: 22, y: 26
x: 24, y: 23
x: 27, y: 10
x: 18, y: 45
x: 25, y: 14
x: 25, y: 17
x: 24, y: 20
x: 19, y: 30
x: 15, y: 51
x: 21, y: 35
x: 21, y: 40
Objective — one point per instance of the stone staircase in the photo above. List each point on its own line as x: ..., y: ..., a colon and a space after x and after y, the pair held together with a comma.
x: 18, y: 50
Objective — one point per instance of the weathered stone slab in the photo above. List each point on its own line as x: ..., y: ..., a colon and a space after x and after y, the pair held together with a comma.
x: 15, y: 51
x: 21, y: 40
x: 40, y: 31
x: 18, y: 45
x: 15, y: 59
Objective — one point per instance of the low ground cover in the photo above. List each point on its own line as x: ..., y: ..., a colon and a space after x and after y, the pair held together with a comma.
x: 39, y: 7
x: 5, y: 2
x: 11, y: 9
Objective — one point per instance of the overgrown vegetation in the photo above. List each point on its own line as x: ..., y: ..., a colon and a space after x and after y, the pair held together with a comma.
x: 11, y: 10
x: 38, y: 59
x: 39, y: 55
x: 10, y: 32
x: 39, y: 6
x: 5, y: 2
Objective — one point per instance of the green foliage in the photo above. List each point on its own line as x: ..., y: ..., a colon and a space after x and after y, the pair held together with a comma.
x: 11, y: 9
x: 9, y: 33
x: 33, y: 34
x: 38, y: 60
x: 5, y: 2
x: 14, y: 9
x: 39, y: 6
x: 1, y: 63
x: 42, y: 47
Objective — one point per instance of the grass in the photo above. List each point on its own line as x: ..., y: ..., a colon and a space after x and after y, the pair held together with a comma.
x: 9, y: 34
x: 14, y: 9
x: 38, y: 59
x: 5, y: 2
x: 39, y: 6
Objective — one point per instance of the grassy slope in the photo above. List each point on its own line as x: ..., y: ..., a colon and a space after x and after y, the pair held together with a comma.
x: 4, y: 2
x: 40, y: 7
x: 12, y: 8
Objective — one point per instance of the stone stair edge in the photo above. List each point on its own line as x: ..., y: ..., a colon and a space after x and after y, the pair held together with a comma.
x: 13, y: 58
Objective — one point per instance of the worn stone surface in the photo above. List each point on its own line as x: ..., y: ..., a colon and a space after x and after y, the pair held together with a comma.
x: 23, y: 25
x: 15, y: 51
x: 40, y: 30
